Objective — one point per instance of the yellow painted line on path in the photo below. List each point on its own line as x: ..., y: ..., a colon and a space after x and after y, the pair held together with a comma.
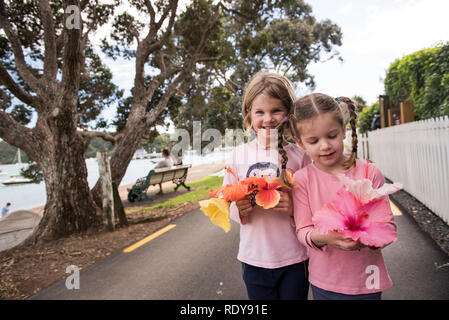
x: 395, y: 210
x: 149, y: 238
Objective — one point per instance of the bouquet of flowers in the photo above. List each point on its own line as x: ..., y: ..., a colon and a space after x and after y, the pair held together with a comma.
x: 359, y: 212
x: 262, y: 192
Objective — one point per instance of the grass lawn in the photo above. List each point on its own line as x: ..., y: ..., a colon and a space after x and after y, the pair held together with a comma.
x: 199, y: 191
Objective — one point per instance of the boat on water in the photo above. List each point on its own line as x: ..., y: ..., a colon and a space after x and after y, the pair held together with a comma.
x: 17, y: 179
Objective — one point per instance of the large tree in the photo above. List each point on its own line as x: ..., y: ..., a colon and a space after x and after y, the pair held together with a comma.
x: 47, y: 66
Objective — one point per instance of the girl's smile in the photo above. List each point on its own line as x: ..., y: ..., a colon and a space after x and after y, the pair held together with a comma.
x: 266, y: 113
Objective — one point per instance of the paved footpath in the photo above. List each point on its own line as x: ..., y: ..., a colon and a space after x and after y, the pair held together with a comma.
x: 195, y: 260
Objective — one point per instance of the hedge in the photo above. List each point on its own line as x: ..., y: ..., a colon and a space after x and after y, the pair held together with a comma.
x: 423, y: 78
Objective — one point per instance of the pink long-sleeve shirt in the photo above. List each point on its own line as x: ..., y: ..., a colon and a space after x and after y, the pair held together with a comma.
x: 268, y: 238
x: 332, y: 269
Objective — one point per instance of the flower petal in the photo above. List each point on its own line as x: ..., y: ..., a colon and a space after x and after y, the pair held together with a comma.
x: 273, y: 184
x: 346, y: 202
x: 379, y: 210
x: 328, y: 218
x: 234, y: 192
x: 216, y: 193
x: 363, y: 188
x: 229, y: 170
x: 353, y: 234
x: 268, y: 199
x: 218, y: 212
x: 378, y: 235
x: 386, y: 189
x: 256, y: 181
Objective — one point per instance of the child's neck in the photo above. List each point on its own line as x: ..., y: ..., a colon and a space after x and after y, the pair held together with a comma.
x: 335, y: 169
x: 266, y: 145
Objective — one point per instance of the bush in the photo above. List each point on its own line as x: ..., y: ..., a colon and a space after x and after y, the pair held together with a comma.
x: 423, y: 78
x: 366, y: 117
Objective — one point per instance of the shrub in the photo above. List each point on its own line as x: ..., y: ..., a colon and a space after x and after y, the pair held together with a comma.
x: 423, y: 78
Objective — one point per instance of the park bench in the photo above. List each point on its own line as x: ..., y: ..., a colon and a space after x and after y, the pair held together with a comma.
x: 177, y: 174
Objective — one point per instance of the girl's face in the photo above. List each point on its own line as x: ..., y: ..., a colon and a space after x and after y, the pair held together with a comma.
x: 322, y: 137
x: 266, y: 113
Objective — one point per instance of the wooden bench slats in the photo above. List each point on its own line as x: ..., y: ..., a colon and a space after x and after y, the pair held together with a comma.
x: 177, y: 174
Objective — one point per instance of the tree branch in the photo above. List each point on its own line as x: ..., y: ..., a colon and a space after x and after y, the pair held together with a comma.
x: 13, y: 132
x: 5, y: 99
x: 235, y: 12
x: 107, y: 137
x: 15, y: 89
x: 50, y: 60
x: 71, y: 65
x: 209, y: 59
x: 16, y: 46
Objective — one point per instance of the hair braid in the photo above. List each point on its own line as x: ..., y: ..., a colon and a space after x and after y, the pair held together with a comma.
x: 353, y: 122
x: 283, y: 153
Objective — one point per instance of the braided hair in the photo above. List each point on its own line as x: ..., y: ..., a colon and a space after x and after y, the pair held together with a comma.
x: 353, y: 123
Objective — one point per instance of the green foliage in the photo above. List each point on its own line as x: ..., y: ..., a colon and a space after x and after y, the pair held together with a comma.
x: 280, y: 36
x: 366, y: 117
x: 32, y: 172
x: 8, y: 154
x: 98, y: 144
x: 159, y: 143
x: 421, y: 77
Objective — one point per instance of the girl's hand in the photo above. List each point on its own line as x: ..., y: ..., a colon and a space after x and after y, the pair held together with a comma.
x: 285, y: 203
x: 336, y: 240
x: 244, y: 206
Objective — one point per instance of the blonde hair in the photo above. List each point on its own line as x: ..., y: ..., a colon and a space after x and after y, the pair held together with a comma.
x: 275, y: 86
x: 342, y: 109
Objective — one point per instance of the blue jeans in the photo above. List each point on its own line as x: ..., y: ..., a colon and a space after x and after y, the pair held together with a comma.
x: 285, y: 283
x: 321, y: 294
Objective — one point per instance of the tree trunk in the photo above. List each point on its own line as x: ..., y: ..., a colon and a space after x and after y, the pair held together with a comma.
x: 118, y: 207
x: 70, y: 207
x: 123, y: 154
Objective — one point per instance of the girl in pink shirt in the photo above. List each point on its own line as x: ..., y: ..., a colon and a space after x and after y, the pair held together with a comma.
x: 273, y: 261
x: 339, y: 268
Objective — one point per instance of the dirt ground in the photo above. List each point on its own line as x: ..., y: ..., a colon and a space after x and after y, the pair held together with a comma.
x: 27, y: 269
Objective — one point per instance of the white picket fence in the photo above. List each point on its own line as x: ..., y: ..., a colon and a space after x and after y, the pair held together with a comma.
x: 415, y: 154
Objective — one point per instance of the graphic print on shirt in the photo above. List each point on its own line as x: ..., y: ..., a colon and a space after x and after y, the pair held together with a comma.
x: 261, y: 169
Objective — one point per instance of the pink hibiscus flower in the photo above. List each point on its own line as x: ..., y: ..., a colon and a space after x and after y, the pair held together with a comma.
x: 359, y: 212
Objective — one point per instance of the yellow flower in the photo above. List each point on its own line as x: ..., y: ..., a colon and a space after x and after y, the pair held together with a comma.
x: 217, y: 210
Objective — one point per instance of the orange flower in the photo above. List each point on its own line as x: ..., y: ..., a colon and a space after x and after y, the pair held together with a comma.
x: 267, y: 194
x: 253, y: 183
x: 231, y: 192
x: 234, y: 192
x: 268, y: 197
